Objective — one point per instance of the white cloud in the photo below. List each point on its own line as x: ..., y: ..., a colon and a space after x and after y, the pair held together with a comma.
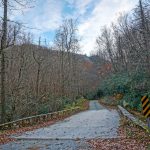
x: 80, y: 5
x: 104, y: 13
x: 51, y: 16
x: 92, y: 15
x: 46, y: 16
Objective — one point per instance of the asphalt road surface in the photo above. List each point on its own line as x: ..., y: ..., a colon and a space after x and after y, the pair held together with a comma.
x: 71, y: 133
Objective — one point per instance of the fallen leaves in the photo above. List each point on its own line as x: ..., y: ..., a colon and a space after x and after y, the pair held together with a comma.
x: 130, y: 137
x: 119, y: 143
x: 5, y: 135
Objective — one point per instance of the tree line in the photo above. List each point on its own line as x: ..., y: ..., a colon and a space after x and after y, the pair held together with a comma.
x: 125, y: 48
x: 36, y: 79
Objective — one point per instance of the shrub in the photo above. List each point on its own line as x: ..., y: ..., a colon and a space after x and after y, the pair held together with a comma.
x: 128, y: 87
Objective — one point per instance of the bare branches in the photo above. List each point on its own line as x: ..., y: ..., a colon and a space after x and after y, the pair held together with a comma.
x: 128, y: 45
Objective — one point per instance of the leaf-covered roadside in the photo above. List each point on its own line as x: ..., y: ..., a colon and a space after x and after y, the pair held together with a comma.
x: 130, y: 137
x: 112, y: 102
x: 5, y: 135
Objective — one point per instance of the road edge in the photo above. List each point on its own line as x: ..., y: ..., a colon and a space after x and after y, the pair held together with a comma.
x: 132, y: 118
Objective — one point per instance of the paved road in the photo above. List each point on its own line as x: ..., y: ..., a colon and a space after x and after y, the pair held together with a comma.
x: 71, y: 134
x: 94, y: 105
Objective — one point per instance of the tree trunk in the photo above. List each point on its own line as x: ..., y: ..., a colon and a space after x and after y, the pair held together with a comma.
x: 2, y: 53
x: 144, y: 32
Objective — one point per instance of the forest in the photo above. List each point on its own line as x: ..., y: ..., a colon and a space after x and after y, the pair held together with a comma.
x: 124, y: 51
x: 38, y: 79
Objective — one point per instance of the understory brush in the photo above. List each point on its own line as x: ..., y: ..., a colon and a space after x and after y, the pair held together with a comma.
x: 127, y: 89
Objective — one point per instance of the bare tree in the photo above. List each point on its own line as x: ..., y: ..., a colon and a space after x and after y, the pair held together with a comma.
x: 66, y: 42
x: 105, y: 41
x: 2, y: 53
x: 4, y: 45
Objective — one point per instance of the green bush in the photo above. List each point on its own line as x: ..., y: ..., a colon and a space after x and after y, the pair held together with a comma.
x: 117, y: 83
x: 95, y: 95
x: 133, y: 86
x: 90, y: 95
x: 78, y: 103
x: 43, y: 109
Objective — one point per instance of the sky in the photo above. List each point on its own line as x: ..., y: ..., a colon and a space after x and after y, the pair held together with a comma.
x: 47, y: 15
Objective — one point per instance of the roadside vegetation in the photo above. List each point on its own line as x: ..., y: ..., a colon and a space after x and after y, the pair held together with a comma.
x: 5, y: 135
x: 124, y: 55
x: 35, y: 78
x: 81, y: 102
x: 130, y: 137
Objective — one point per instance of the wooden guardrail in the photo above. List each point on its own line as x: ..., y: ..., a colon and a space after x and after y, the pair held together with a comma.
x: 37, y: 119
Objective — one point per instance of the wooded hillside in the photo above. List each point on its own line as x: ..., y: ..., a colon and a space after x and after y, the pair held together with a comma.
x: 35, y: 82
x: 126, y: 46
x: 38, y: 79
